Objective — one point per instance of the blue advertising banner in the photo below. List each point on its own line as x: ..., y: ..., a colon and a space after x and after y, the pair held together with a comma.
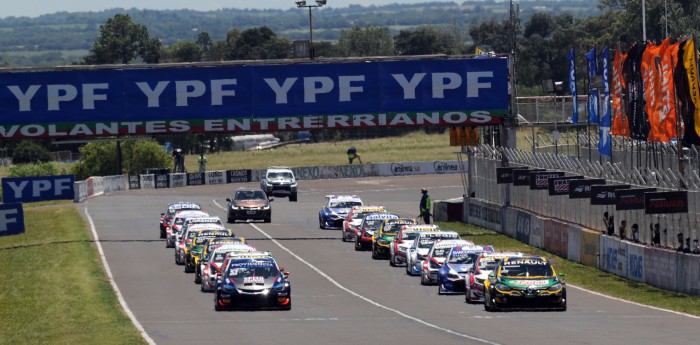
x: 605, y: 142
x: 11, y: 219
x: 237, y: 98
x: 572, y: 86
x: 30, y: 189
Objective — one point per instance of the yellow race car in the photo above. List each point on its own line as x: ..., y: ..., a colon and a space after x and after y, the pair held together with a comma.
x: 524, y: 282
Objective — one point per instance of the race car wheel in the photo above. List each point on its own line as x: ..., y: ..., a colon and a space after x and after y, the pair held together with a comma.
x: 230, y: 219
x: 358, y: 245
x: 293, y: 197
x: 375, y: 256
x: 197, y: 277
x: 422, y: 280
x: 268, y: 219
x: 391, y: 261
x: 342, y: 237
x: 467, y: 295
x: 440, y: 291
x: 408, y: 268
x: 162, y: 232
x: 320, y: 223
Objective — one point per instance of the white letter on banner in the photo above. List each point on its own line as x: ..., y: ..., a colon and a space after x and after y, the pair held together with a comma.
x: 4, y: 219
x: 24, y: 98
x: 218, y: 92
x: 280, y: 90
x: 60, y: 93
x: 445, y: 81
x: 18, y: 188
x: 89, y: 96
x: 40, y: 186
x: 185, y: 89
x: 61, y: 185
x: 346, y: 89
x: 310, y: 89
x: 153, y: 94
x: 473, y: 84
x: 409, y: 87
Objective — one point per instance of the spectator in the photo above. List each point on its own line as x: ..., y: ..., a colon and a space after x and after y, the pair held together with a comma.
x: 655, y: 235
x: 687, y: 246
x: 622, y: 230
x: 610, y: 224
x: 696, y: 247
x: 680, y: 242
x: 352, y: 154
x: 202, y: 163
x: 635, y: 233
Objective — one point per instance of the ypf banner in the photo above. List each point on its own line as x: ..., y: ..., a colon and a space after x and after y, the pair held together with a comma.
x: 31, y: 189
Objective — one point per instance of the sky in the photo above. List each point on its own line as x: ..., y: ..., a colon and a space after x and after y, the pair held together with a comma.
x: 34, y: 8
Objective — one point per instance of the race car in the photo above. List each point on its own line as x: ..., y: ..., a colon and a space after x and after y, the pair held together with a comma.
x: 370, y: 224
x: 252, y: 280
x: 211, y: 265
x: 173, y: 235
x: 248, y: 203
x: 352, y: 222
x: 170, y: 211
x: 193, y: 251
x: 459, y: 261
x: 187, y: 237
x: 524, y: 282
x: 209, y: 246
x: 177, y: 221
x: 421, y: 246
x: 404, y: 240
x: 386, y: 233
x: 436, y: 257
x: 335, y: 209
x: 484, y: 265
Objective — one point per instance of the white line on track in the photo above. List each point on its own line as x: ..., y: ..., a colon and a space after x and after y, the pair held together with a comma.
x: 377, y: 304
x: 121, y: 299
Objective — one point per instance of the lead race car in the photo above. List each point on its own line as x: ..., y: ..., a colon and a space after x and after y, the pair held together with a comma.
x: 351, y: 225
x: 370, y: 224
x: 524, y: 282
x: 336, y: 208
x: 484, y: 264
x: 252, y: 280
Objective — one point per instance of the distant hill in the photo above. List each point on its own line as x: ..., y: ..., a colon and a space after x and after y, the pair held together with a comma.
x: 63, y: 37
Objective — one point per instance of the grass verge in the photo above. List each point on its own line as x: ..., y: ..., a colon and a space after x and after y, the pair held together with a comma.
x: 584, y: 276
x: 55, y: 290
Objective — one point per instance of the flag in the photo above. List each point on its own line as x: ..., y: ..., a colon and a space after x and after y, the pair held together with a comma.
x: 631, y: 71
x: 651, y: 62
x: 592, y: 92
x: 620, y: 122
x: 572, y: 86
x: 667, y: 107
x: 478, y: 51
x: 690, y: 63
x: 604, y: 144
x: 685, y: 103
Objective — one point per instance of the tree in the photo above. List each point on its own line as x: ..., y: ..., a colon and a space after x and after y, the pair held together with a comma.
x: 368, y: 41
x: 260, y: 44
x: 100, y: 158
x: 425, y: 40
x: 182, y: 52
x: 30, y: 152
x: 121, y: 41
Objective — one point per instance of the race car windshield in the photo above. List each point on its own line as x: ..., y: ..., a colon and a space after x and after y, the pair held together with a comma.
x: 373, y: 223
x: 253, y: 269
x: 527, y: 270
x: 279, y: 175
x: 408, y: 236
x: 462, y: 259
x: 250, y: 195
x: 488, y: 264
x: 344, y: 204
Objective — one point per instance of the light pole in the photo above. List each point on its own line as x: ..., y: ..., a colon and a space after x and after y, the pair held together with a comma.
x: 302, y: 4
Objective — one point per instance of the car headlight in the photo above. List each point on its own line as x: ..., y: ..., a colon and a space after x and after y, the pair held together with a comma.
x: 453, y: 274
x: 266, y: 207
x: 554, y: 287
x: 383, y: 242
x: 502, y: 287
x: 234, y: 207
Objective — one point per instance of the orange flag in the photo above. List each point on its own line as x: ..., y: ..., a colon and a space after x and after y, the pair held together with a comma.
x: 651, y: 65
x: 667, y: 110
x: 620, y: 124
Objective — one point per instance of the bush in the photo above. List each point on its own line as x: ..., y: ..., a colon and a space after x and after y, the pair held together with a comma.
x: 30, y: 152
x: 31, y: 170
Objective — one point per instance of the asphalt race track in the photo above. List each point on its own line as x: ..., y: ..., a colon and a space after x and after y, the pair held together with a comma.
x: 339, y: 296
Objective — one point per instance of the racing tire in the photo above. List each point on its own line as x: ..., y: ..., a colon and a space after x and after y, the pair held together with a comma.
x: 467, y: 293
x: 197, y: 277
x: 358, y: 245
x: 217, y: 307
x: 422, y: 280
x: 408, y: 269
x: 440, y: 292
x: 268, y: 219
x: 392, y: 263
x: 230, y: 219
x: 293, y: 197
x: 320, y: 223
x: 162, y: 233
x: 342, y: 236
x: 375, y: 255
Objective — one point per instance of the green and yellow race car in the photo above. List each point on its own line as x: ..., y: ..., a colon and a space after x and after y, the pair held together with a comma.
x: 386, y: 234
x: 524, y: 282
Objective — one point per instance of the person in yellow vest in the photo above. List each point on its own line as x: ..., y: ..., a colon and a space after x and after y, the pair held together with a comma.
x: 425, y: 206
x: 352, y: 154
x: 202, y: 163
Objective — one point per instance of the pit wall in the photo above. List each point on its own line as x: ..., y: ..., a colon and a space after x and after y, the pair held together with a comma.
x: 656, y: 266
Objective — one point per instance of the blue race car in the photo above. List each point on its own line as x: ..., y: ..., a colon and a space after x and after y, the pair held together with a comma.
x: 451, y: 275
x: 336, y: 209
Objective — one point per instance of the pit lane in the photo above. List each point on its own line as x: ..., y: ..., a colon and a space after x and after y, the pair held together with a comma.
x: 339, y: 295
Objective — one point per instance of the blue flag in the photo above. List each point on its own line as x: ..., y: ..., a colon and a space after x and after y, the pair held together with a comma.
x: 605, y: 145
x: 592, y: 92
x: 572, y: 86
